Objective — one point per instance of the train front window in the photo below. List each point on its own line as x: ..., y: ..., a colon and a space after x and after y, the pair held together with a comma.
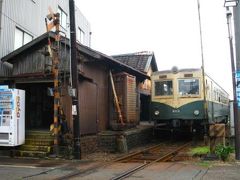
x: 163, y: 88
x: 188, y: 87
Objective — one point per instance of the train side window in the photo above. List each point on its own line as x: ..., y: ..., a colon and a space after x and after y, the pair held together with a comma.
x: 163, y: 88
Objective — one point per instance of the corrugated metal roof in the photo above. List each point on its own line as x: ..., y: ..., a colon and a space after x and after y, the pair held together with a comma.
x: 5, y: 69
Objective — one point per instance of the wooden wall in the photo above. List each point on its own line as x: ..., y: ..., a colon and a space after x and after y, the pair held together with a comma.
x: 94, y: 99
x: 37, y: 61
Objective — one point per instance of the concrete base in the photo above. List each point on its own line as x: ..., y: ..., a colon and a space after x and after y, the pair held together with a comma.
x: 122, y: 141
x: 122, y: 127
x: 109, y: 141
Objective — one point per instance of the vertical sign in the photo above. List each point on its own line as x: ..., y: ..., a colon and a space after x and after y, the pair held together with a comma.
x: 238, y: 87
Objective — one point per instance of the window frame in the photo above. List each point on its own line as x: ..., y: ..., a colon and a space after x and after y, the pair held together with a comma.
x: 61, y: 12
x: 80, y: 35
x: 189, y: 95
x: 164, y: 96
x: 23, y: 33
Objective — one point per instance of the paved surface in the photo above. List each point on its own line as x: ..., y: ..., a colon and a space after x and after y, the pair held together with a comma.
x: 169, y: 171
x: 53, y: 169
x: 224, y: 171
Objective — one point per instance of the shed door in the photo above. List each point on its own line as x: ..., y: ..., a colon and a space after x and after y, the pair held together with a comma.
x: 88, y: 108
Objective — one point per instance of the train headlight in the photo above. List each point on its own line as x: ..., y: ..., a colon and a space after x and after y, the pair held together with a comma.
x: 196, y: 112
x: 156, y: 113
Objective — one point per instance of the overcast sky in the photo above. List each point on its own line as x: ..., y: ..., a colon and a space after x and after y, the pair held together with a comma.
x: 169, y: 28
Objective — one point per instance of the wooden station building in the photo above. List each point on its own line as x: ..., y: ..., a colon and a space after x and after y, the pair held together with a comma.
x: 31, y: 71
x: 30, y: 68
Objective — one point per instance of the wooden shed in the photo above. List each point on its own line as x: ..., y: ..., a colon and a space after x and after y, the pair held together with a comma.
x: 126, y: 90
x: 32, y: 72
x: 144, y: 62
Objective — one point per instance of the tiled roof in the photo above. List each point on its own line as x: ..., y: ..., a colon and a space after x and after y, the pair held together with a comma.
x: 140, y: 61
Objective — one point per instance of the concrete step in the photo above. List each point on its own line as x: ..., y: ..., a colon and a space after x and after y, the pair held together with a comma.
x: 39, y: 135
x: 46, y: 149
x: 38, y: 132
x: 39, y: 138
x: 39, y: 142
x: 38, y: 154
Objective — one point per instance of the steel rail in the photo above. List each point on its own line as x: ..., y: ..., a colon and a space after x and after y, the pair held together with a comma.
x: 129, y: 156
x: 124, y: 158
x: 79, y: 172
x: 162, y: 159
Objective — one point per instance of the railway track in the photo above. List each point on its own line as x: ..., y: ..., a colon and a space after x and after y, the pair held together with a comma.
x: 157, y: 153
x: 150, y: 156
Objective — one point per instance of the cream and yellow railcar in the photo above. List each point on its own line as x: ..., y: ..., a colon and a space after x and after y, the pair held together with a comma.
x: 178, y: 99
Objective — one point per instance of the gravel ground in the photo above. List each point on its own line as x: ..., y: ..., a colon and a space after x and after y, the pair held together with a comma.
x: 107, y: 156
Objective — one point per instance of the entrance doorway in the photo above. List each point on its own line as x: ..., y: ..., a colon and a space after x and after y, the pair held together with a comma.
x: 38, y: 105
x: 145, y: 107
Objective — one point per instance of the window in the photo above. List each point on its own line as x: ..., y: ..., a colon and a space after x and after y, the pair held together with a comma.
x: 63, y: 18
x: 188, y: 87
x: 21, y: 38
x: 163, y: 88
x: 27, y: 38
x: 80, y: 35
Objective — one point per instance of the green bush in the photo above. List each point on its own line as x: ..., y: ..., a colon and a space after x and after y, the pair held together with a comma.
x: 223, y: 152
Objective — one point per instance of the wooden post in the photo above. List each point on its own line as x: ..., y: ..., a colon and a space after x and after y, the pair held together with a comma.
x: 116, y: 102
x: 217, y: 136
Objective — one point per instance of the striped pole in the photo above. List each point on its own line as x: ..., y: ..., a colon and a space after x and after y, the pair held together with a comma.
x: 54, y: 52
x: 56, y: 100
x: 56, y: 85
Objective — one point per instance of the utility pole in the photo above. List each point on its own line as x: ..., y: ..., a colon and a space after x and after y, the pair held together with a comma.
x: 235, y: 106
x: 74, y: 74
x: 203, y: 75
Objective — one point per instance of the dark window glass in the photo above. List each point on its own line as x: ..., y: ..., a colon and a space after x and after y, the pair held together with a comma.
x: 163, y: 88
